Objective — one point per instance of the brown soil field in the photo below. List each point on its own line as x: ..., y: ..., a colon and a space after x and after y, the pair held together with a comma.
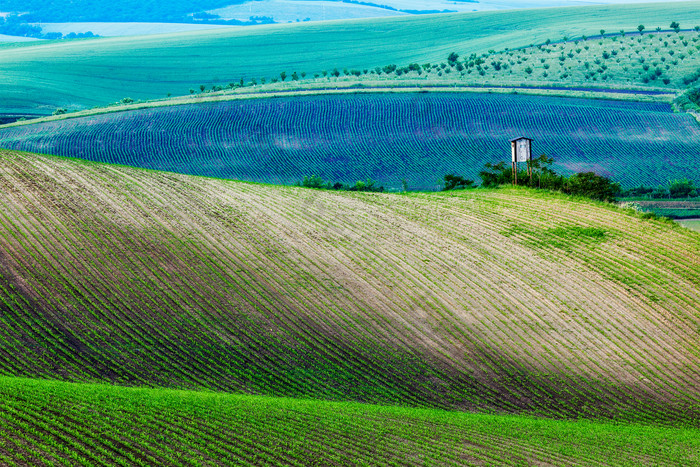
x: 502, y: 300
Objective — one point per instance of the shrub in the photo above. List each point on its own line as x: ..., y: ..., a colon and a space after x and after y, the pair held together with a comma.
x: 682, y: 189
x: 315, y: 181
x: 592, y: 186
x: 659, y: 192
x: 456, y: 182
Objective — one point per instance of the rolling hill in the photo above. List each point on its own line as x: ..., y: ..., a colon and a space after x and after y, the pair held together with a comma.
x: 510, y: 301
x: 410, y: 139
x: 79, y: 74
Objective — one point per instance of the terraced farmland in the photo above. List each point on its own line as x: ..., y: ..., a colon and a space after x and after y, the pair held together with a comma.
x: 389, y: 138
x: 50, y: 423
x: 507, y: 300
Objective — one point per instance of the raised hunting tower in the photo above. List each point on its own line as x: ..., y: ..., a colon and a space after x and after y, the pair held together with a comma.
x: 521, y: 151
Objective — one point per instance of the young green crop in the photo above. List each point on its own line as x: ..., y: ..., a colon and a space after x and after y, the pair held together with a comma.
x: 411, y: 299
x: 398, y: 140
x: 145, y: 426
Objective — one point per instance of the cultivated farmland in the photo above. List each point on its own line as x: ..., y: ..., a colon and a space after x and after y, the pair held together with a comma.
x: 51, y: 423
x: 389, y: 138
x: 506, y: 300
x: 80, y: 74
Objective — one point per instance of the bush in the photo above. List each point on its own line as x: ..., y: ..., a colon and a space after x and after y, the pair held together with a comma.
x: 682, y: 189
x: 317, y: 182
x: 592, y: 186
x: 638, y: 191
x: 456, y: 182
x: 659, y: 192
x: 581, y: 184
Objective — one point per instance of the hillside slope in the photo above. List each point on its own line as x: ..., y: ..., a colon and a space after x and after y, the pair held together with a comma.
x: 500, y: 300
x: 79, y: 74
x: 394, y: 139
x: 51, y: 423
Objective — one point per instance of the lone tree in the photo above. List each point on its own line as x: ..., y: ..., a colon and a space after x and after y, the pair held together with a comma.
x: 675, y: 26
x: 640, y: 28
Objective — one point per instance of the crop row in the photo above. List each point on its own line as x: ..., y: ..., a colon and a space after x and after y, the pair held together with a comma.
x: 389, y: 138
x: 51, y: 423
x: 500, y: 300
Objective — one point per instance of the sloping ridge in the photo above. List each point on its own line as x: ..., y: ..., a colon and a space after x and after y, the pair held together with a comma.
x: 505, y: 300
x: 40, y: 77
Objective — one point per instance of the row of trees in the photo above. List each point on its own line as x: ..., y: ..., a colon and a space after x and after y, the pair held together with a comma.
x: 586, y: 184
x: 682, y: 188
x: 16, y: 25
x: 316, y: 181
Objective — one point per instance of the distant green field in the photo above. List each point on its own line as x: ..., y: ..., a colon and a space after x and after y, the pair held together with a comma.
x: 55, y: 423
x: 677, y: 209
x: 692, y: 224
x: 652, y: 62
x: 79, y: 74
x: 391, y: 138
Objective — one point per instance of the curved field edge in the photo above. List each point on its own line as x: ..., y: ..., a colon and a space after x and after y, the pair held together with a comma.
x: 507, y: 300
x: 400, y: 140
x: 43, y: 77
x: 55, y: 423
x: 344, y: 88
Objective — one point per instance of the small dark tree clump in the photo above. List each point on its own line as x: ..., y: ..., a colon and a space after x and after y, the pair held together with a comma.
x: 682, y: 189
x: 316, y: 181
x: 456, y: 182
x: 592, y: 186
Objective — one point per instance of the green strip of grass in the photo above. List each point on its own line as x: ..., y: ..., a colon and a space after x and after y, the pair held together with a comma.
x: 93, y: 422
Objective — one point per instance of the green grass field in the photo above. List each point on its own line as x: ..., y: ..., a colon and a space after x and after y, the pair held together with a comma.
x: 78, y: 74
x: 55, y: 423
x: 675, y: 209
x: 654, y: 61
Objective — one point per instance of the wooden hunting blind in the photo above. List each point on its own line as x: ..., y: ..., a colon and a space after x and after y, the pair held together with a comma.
x: 521, y: 151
